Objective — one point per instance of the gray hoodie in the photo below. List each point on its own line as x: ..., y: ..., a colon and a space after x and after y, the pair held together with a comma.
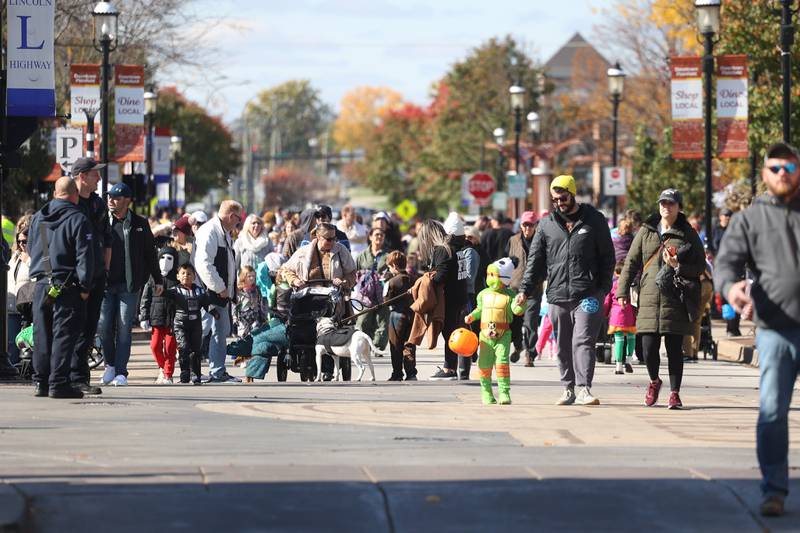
x: 766, y: 239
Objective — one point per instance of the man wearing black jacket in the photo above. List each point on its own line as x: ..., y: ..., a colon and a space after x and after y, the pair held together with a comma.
x: 572, y: 247
x: 62, y: 265
x: 85, y: 172
x: 133, y: 261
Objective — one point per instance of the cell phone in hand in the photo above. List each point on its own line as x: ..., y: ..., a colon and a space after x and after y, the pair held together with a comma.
x: 672, y: 251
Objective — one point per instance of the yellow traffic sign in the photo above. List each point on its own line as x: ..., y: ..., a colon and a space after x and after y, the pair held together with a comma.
x: 406, y: 210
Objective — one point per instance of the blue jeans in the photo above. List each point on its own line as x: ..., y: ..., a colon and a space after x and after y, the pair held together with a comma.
x: 218, y: 348
x: 117, y: 314
x: 779, y: 360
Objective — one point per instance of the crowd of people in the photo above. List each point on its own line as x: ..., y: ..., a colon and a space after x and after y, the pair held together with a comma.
x: 92, y: 269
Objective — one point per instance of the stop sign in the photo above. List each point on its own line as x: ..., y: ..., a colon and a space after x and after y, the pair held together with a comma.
x: 481, y: 185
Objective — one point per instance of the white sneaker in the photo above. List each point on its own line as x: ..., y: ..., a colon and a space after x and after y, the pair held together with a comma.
x: 167, y: 381
x: 108, y: 375
x: 585, y: 397
x: 160, y: 378
x: 120, y: 381
x: 567, y: 398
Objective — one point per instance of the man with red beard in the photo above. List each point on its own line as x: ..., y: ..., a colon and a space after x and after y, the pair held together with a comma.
x: 765, y: 238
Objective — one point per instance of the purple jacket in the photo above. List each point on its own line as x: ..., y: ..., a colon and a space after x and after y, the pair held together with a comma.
x: 623, y: 317
x: 621, y: 246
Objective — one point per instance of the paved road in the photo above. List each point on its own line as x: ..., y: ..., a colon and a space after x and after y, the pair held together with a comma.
x: 392, y: 457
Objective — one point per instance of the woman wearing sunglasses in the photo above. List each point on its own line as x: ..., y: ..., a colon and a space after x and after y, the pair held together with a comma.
x: 17, y: 276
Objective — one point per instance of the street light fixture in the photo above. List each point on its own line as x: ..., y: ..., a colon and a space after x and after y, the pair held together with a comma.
x: 708, y: 23
x: 150, y: 108
x: 174, y: 151
x: 104, y: 22
x: 517, y: 95
x: 534, y: 124
x: 616, y: 84
x: 500, y: 138
x: 787, y: 41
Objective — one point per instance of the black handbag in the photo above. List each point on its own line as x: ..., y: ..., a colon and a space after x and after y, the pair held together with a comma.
x: 671, y: 283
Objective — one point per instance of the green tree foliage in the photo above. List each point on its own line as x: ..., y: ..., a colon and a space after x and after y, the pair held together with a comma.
x: 292, y: 111
x: 20, y: 185
x: 655, y: 170
x: 206, y: 151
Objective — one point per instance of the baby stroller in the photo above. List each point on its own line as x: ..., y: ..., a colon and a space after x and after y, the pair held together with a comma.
x: 317, y: 300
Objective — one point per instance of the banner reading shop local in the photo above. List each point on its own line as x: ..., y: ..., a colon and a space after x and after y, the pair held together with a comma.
x: 31, y: 70
x: 687, y: 108
x: 84, y: 88
x: 129, y: 113
x: 732, y: 106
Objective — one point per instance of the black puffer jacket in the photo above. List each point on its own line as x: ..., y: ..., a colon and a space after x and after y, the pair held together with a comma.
x: 577, y: 263
x: 158, y: 310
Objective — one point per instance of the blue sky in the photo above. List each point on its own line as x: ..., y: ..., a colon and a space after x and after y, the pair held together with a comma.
x: 341, y: 44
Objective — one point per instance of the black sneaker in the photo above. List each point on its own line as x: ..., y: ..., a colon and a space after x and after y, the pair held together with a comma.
x: 66, y: 392
x: 395, y: 377
x: 411, y: 378
x: 224, y: 378
x: 463, y: 377
x: 87, y: 388
x: 514, y: 356
x: 441, y: 375
x: 628, y: 368
x: 40, y: 389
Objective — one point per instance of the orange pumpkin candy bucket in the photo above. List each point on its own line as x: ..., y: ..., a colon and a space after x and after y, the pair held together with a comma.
x: 464, y: 342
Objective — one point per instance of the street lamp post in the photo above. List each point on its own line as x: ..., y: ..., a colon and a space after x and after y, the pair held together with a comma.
x: 150, y: 108
x: 787, y: 41
x: 616, y: 84
x: 708, y: 21
x: 104, y: 20
x: 517, y: 95
x: 174, y: 152
x: 499, y: 138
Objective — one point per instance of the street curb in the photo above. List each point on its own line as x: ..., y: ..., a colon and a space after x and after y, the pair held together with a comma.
x: 13, y: 508
x: 738, y: 350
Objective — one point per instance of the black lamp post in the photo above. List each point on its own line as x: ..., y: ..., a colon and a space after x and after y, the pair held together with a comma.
x: 708, y: 20
x: 150, y: 108
x: 517, y: 95
x: 616, y: 84
x: 174, y: 152
x: 104, y: 20
x: 500, y: 138
x: 787, y: 41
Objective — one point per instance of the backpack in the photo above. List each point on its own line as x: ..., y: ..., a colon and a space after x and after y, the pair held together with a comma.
x: 368, y: 289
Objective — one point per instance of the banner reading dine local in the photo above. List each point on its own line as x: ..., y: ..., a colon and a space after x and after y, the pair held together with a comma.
x: 687, y: 107
x: 732, y: 107
x: 129, y: 113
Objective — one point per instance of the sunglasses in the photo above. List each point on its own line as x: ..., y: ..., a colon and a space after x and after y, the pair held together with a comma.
x: 527, y: 225
x: 22, y: 241
x: 560, y: 199
x: 790, y: 168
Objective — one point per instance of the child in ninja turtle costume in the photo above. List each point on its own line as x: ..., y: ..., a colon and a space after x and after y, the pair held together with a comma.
x: 496, y: 310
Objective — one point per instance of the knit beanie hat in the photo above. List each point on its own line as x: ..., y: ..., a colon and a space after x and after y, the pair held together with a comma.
x: 453, y: 225
x: 505, y: 268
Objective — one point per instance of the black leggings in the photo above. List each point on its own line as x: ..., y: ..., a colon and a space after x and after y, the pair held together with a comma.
x: 651, y: 345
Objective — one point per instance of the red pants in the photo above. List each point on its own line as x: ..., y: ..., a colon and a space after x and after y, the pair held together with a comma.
x: 164, y: 347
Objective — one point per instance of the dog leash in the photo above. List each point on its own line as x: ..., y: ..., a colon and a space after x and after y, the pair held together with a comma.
x: 374, y: 307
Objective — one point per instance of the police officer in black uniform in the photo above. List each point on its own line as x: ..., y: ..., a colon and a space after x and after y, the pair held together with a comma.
x: 62, y: 264
x: 85, y: 172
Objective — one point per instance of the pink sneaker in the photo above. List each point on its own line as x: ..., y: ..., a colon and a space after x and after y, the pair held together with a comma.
x: 653, y: 389
x: 674, y: 401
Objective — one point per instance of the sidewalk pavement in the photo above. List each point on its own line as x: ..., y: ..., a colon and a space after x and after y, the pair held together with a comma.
x: 409, y: 456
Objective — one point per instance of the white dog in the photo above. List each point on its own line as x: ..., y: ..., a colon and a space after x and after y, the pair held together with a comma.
x: 359, y: 350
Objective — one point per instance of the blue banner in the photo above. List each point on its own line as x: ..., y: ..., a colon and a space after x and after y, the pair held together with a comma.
x: 30, y: 64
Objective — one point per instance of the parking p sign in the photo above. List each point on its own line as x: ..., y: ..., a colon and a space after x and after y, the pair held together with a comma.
x: 614, y: 181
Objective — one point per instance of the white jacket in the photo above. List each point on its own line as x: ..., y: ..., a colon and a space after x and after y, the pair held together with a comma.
x: 215, y: 260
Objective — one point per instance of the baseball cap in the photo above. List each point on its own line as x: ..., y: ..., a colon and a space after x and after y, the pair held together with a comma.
x: 725, y: 211
x: 182, y: 225
x: 120, y: 190
x: 199, y: 217
x: 85, y: 164
x: 671, y: 195
x: 382, y: 214
x: 782, y: 150
x: 528, y: 217
x: 564, y: 182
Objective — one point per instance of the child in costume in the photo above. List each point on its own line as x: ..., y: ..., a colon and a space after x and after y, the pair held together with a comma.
x: 621, y: 324
x: 496, y: 310
x: 157, y: 312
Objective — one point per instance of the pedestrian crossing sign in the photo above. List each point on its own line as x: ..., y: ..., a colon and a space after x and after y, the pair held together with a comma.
x: 406, y: 210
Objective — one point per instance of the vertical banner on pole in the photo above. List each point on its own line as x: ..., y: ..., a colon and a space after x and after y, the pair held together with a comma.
x: 84, y: 89
x: 732, y: 110
x: 129, y: 112
x: 180, y: 187
x: 687, y: 107
x: 161, y: 167
x: 31, y: 88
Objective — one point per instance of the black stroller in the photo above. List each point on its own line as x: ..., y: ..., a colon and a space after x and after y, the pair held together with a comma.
x: 317, y: 300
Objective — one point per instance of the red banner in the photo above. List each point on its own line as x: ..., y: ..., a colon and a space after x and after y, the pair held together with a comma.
x: 732, y: 110
x: 687, y: 107
x: 129, y: 113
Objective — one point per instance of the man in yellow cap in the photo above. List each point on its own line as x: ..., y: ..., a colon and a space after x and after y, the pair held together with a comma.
x: 572, y: 248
